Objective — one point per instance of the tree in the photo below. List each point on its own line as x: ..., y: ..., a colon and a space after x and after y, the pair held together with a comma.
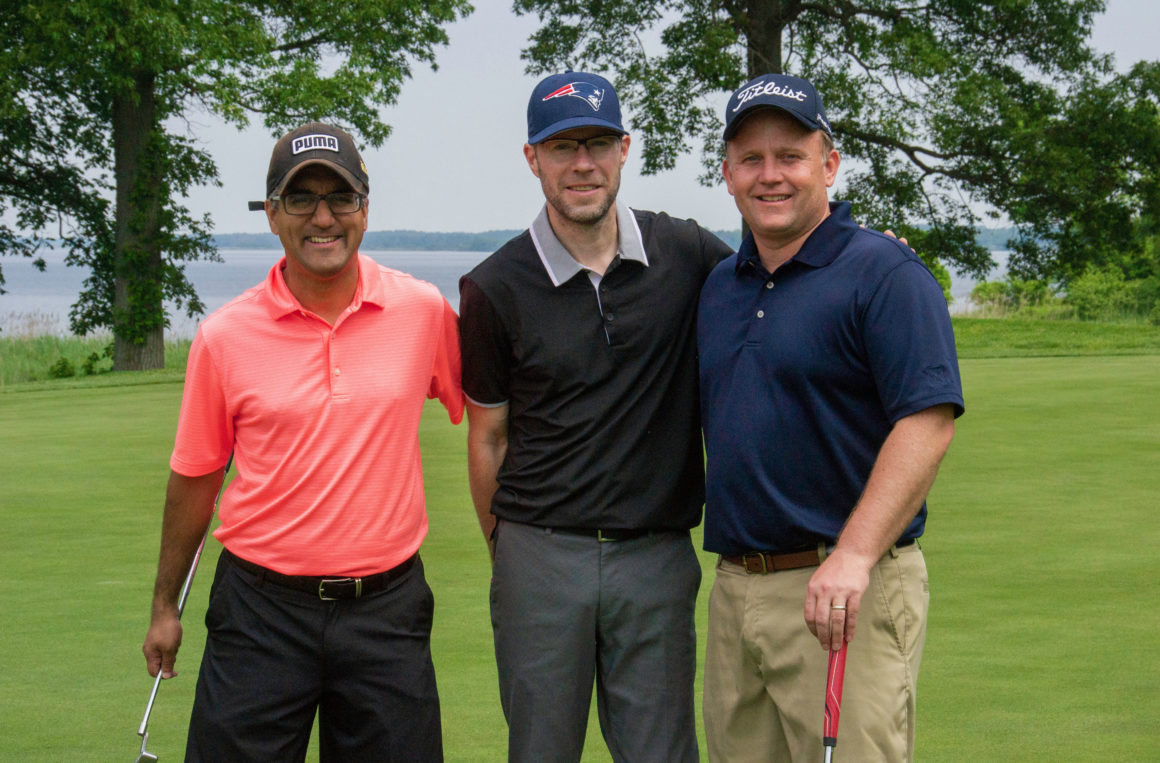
x: 942, y: 104
x: 96, y: 96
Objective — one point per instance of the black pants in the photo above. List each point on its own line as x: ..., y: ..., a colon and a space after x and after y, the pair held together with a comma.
x: 274, y: 656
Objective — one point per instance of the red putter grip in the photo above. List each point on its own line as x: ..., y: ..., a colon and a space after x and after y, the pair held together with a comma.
x: 834, y: 676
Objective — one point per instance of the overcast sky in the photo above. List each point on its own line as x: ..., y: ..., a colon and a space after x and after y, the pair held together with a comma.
x: 454, y: 161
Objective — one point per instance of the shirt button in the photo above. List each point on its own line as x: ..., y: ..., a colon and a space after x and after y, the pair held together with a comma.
x: 769, y: 284
x: 760, y: 313
x: 338, y: 372
x: 611, y: 317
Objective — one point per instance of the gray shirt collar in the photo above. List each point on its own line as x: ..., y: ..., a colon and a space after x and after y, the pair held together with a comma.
x: 559, y: 263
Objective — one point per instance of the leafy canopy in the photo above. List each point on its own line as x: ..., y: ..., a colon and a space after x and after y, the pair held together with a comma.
x: 946, y: 106
x: 104, y: 95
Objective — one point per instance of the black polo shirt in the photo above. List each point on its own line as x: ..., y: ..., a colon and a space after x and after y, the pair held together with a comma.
x: 603, y: 429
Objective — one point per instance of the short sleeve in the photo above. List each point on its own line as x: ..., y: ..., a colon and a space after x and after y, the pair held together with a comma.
x: 911, y: 344
x: 205, y: 433
x: 446, y: 369
x: 485, y: 347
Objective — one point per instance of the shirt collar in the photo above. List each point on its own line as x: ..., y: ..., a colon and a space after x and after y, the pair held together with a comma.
x: 282, y: 302
x: 560, y: 264
x: 822, y: 246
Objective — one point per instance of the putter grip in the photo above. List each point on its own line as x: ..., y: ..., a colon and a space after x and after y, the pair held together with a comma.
x: 834, y: 676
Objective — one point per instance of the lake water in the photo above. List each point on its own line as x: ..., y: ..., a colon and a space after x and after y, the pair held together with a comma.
x: 43, y: 300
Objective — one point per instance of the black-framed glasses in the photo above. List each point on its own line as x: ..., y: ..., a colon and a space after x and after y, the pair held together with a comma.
x: 302, y: 204
x: 565, y: 149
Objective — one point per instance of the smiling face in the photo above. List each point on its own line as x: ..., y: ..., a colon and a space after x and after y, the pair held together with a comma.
x: 320, y: 247
x: 581, y: 188
x: 778, y: 173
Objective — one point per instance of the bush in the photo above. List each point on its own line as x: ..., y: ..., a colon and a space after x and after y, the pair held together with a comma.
x: 62, y: 369
x: 1017, y: 296
x: 1101, y: 294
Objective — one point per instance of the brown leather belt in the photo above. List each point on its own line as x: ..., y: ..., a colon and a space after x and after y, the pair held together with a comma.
x: 326, y: 587
x: 760, y: 562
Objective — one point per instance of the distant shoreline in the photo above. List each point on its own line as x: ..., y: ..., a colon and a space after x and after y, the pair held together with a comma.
x: 489, y: 241
x: 415, y: 241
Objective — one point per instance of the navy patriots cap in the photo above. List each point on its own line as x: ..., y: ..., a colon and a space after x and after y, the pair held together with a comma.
x: 572, y: 99
x: 793, y: 95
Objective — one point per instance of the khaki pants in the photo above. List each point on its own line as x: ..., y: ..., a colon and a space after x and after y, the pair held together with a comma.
x: 765, y: 673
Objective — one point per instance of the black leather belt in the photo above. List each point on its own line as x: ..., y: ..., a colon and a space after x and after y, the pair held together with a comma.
x: 326, y: 587
x: 602, y: 535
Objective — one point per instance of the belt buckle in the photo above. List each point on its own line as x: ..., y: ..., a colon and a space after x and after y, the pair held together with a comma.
x: 754, y: 563
x: 339, y: 581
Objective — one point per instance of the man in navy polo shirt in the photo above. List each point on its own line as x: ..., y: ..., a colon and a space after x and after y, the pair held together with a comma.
x: 829, y: 389
x: 584, y: 446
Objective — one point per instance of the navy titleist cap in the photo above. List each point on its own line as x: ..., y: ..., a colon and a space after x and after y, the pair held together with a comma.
x: 314, y: 143
x: 793, y: 95
x: 572, y: 99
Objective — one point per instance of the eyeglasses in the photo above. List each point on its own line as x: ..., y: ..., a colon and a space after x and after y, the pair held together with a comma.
x: 565, y: 149
x: 302, y: 204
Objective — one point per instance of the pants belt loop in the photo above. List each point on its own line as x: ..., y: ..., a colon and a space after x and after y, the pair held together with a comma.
x: 822, y: 553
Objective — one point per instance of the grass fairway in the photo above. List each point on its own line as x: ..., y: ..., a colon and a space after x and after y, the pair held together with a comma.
x: 1043, y: 637
x: 1045, y: 606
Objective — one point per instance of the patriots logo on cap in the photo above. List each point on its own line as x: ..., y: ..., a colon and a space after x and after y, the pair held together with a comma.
x: 587, y: 92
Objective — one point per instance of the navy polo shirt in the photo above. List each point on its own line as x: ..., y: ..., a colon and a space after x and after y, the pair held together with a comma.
x: 599, y: 373
x: 803, y: 374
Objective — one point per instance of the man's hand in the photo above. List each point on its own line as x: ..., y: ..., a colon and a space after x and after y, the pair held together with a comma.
x: 904, y: 241
x: 161, y: 644
x: 834, y: 595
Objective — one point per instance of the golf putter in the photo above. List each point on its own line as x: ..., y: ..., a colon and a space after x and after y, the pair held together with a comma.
x: 142, y: 730
x: 834, y: 676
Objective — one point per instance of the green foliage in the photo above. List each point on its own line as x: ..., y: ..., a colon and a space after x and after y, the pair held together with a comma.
x: 1086, y: 188
x: 943, y: 105
x: 1099, y: 294
x: 93, y: 95
x: 1102, y: 294
x: 62, y: 369
x: 1013, y: 295
x: 28, y: 358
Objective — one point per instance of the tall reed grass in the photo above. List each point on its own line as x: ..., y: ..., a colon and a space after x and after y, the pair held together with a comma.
x: 33, y: 349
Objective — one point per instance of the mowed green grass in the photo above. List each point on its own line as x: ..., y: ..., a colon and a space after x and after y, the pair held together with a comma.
x: 1044, y: 634
x: 1042, y: 642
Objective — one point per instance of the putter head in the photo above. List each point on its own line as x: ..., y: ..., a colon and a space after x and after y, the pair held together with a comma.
x: 145, y: 756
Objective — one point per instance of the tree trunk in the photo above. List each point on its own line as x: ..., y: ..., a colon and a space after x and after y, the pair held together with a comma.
x: 138, y: 312
x: 767, y: 19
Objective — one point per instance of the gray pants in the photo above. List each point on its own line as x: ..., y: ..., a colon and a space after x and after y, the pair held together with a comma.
x: 568, y: 610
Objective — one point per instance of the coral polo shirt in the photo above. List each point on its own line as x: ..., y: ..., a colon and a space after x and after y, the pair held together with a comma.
x: 323, y: 421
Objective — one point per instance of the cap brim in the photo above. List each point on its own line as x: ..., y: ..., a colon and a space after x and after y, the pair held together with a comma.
x: 344, y: 173
x: 571, y: 124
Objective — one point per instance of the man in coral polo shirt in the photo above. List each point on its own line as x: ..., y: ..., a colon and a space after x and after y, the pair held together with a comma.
x: 315, y: 380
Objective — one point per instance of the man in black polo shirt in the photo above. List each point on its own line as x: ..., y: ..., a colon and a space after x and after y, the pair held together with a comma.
x: 584, y: 446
